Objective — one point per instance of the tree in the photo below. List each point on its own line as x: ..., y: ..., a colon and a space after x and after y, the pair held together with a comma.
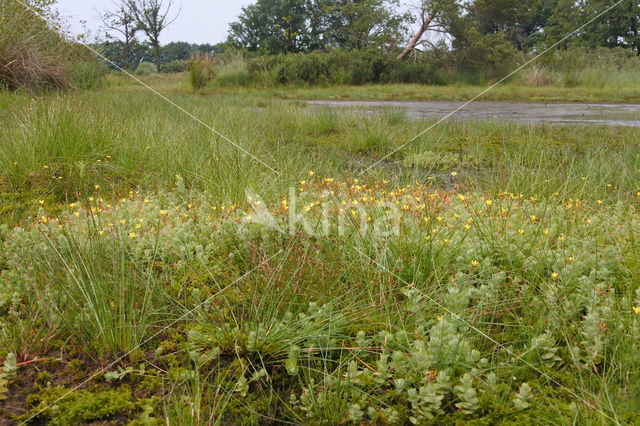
x: 274, y: 26
x: 618, y: 27
x: 121, y: 21
x: 521, y: 22
x: 288, y: 26
x: 358, y: 24
x: 433, y: 16
x: 153, y: 17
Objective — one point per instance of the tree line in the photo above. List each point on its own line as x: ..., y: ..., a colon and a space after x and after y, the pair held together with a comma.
x: 481, y: 36
x: 292, y: 26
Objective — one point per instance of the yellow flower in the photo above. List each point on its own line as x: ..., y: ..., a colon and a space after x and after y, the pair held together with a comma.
x: 77, y: 214
x: 545, y: 232
x: 328, y: 180
x: 97, y: 187
x: 454, y: 174
x: 520, y: 231
x: 122, y: 222
x: 569, y: 259
x: 302, y: 182
x: 132, y: 235
x: 138, y: 225
x: 90, y: 198
x: 164, y: 212
x: 533, y: 218
x: 489, y: 203
x: 554, y: 275
x: 41, y: 202
x: 467, y: 226
x: 474, y: 263
x: 461, y: 197
x: 440, y: 317
x: 599, y: 201
x: 100, y: 232
x: 636, y: 310
x: 311, y: 173
x: 72, y: 205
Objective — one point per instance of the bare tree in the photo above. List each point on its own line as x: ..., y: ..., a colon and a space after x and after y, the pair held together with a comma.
x: 152, y: 17
x: 430, y: 14
x: 121, y: 21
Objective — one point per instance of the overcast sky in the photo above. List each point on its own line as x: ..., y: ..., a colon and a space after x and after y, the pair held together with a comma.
x: 200, y: 21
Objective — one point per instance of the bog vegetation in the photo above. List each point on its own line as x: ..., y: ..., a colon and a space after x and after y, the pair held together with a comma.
x: 308, y: 266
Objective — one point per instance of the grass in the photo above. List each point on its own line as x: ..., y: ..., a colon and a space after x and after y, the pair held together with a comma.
x: 228, y: 84
x: 485, y: 273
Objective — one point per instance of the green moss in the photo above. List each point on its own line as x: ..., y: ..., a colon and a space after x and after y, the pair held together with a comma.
x: 62, y: 406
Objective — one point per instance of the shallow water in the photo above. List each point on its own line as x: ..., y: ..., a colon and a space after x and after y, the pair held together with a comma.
x: 627, y: 115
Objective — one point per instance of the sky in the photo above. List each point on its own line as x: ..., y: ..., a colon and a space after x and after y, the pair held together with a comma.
x: 200, y: 21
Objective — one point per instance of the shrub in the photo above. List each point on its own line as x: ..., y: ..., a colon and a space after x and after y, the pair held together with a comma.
x: 178, y: 65
x: 201, y: 69
x: 486, y: 58
x: 146, y: 68
x: 340, y: 67
x: 419, y: 72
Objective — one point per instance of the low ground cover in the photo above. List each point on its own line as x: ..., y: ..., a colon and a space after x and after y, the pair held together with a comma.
x: 151, y: 272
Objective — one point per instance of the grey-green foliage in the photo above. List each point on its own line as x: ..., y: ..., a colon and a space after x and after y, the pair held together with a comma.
x: 7, y: 373
x: 467, y: 395
x: 522, y: 399
x: 544, y: 346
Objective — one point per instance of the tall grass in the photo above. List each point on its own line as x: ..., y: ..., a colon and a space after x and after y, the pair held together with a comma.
x: 35, y: 55
x: 201, y: 69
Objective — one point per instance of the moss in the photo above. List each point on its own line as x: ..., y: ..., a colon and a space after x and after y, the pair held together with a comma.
x: 62, y: 406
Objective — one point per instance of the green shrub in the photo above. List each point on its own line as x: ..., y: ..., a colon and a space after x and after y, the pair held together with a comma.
x: 201, y: 70
x: 178, y: 65
x: 340, y: 67
x: 419, y: 72
x: 146, y: 68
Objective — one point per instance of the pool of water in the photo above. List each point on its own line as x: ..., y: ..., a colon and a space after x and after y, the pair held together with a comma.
x: 569, y: 113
